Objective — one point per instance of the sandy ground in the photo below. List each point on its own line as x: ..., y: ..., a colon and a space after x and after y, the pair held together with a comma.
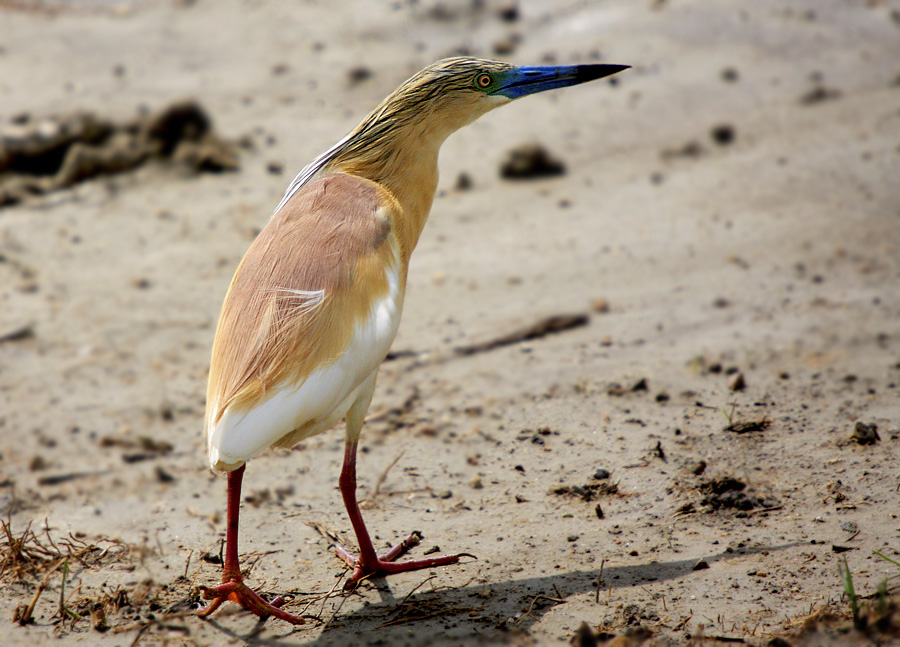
x: 773, y: 253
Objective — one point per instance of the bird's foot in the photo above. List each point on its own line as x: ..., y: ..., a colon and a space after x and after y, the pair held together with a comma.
x: 385, y: 564
x: 236, y: 591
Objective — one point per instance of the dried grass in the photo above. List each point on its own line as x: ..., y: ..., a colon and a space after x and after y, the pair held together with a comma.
x: 32, y: 555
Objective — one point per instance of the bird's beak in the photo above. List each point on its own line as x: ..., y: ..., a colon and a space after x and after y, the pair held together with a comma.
x: 521, y: 81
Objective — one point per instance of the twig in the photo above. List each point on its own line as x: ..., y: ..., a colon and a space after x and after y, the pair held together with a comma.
x: 534, y: 601
x: 599, y: 581
x: 27, y: 616
x: 187, y: 563
x: 343, y: 598
x: 383, y: 476
x: 416, y: 588
x: 324, y: 598
x: 25, y: 331
x: 140, y: 634
x: 56, y: 479
x: 761, y: 510
x: 541, y: 328
x: 558, y: 594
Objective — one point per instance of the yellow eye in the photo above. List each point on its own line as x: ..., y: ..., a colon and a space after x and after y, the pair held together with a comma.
x: 483, y: 80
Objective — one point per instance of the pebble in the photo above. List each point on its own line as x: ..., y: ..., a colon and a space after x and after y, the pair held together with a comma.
x: 865, y: 434
x: 736, y: 382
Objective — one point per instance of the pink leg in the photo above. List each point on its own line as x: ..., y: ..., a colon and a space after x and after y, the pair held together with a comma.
x: 232, y: 586
x: 369, y: 563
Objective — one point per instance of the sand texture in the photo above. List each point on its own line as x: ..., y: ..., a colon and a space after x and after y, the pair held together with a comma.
x: 640, y: 387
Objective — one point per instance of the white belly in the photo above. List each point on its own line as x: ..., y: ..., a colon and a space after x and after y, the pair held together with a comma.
x: 319, y: 401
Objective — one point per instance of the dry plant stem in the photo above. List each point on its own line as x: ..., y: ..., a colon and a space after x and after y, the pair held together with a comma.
x: 27, y: 616
x: 232, y: 586
x: 383, y: 477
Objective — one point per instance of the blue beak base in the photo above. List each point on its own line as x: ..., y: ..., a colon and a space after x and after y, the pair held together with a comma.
x: 525, y: 80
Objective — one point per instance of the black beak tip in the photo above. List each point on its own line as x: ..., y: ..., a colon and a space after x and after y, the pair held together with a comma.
x: 593, y: 72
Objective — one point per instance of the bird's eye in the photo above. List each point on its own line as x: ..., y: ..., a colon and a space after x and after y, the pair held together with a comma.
x: 483, y: 80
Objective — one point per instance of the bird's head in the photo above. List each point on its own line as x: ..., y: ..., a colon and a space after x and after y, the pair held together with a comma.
x: 455, y: 91
x: 429, y: 106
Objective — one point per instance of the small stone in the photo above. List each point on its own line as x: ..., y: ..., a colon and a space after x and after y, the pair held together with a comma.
x: 730, y: 75
x: 571, y: 538
x: 736, y: 382
x: 509, y: 11
x: 600, y: 305
x: 723, y: 134
x: 163, y: 476
x: 476, y: 483
x: 211, y: 558
x: 819, y: 94
x: 359, y: 74
x: 601, y: 474
x: 701, y: 565
x: 865, y: 434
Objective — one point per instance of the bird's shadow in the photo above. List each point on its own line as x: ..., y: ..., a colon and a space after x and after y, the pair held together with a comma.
x: 429, y: 617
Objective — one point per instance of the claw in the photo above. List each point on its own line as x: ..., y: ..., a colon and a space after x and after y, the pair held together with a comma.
x: 385, y: 564
x: 237, y: 591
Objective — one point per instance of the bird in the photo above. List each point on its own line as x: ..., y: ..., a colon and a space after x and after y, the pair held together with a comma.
x: 315, y: 303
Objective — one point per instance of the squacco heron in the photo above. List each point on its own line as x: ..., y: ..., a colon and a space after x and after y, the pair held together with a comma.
x: 315, y: 303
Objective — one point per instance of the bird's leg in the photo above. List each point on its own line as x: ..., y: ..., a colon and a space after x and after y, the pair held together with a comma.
x: 232, y: 586
x: 369, y: 563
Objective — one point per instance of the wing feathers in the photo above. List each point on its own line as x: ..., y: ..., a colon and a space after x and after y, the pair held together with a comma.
x: 307, y: 280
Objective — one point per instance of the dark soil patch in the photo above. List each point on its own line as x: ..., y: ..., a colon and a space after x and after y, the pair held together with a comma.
x: 729, y: 493
x: 38, y: 156
x: 587, y: 492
